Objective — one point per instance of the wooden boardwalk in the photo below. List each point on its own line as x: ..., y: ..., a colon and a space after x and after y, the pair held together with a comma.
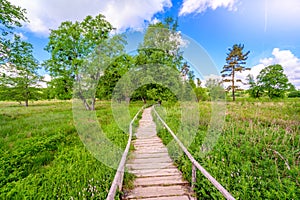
x: 156, y: 175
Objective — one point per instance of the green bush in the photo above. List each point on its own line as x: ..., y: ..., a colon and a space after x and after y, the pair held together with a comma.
x: 294, y: 94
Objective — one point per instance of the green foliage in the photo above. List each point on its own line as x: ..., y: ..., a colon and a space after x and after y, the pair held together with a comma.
x: 11, y: 16
x: 42, y: 156
x: 59, y: 88
x: 257, y: 154
x: 20, y: 75
x: 160, y: 49
x: 273, y: 80
x: 255, y: 90
x: 70, y: 45
x: 108, y: 64
x: 294, y: 94
x: 109, y: 53
x: 235, y: 60
x: 201, y: 94
x: 215, y: 89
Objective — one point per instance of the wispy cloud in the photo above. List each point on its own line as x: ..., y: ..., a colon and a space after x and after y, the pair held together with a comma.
x: 122, y: 14
x: 280, y: 13
x: 199, y: 6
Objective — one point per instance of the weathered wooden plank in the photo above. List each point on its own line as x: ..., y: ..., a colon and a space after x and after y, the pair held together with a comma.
x: 157, y: 176
x: 185, y: 197
x: 156, y: 166
x: 150, y: 160
x: 142, y: 155
x: 160, y: 181
x: 157, y: 191
x: 155, y: 172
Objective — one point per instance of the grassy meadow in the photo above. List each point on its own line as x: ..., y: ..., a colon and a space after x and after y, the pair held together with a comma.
x: 257, y: 155
x: 42, y: 156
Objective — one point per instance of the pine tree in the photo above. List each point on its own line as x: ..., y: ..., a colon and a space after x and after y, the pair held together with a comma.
x: 235, y: 60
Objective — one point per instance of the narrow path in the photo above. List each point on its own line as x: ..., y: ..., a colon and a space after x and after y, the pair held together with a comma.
x: 157, y: 177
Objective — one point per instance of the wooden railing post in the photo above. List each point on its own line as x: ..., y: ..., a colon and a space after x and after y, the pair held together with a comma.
x: 194, y: 176
x: 195, y: 164
x: 118, y: 180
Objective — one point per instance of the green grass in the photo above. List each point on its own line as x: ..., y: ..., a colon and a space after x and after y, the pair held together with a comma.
x: 257, y: 142
x: 42, y: 156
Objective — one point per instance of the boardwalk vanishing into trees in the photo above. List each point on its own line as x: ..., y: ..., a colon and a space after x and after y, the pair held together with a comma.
x: 156, y: 175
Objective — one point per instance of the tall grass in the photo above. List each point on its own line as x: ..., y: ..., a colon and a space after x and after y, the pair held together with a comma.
x: 257, y: 155
x: 42, y: 156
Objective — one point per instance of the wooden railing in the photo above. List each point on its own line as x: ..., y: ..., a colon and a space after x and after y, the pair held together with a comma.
x: 195, y: 164
x: 118, y: 180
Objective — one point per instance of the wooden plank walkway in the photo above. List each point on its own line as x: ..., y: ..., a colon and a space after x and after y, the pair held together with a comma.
x: 157, y: 176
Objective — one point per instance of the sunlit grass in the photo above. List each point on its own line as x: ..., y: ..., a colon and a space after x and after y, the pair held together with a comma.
x: 42, y: 156
x: 257, y: 155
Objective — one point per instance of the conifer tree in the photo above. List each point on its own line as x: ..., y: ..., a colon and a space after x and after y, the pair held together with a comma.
x: 234, y: 63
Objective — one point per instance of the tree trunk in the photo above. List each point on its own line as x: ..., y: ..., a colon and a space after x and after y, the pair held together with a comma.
x: 93, y: 104
x: 26, y: 94
x: 233, y: 86
x: 127, y: 99
x: 144, y: 100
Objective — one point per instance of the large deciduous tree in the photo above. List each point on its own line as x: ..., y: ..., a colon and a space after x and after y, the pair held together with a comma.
x: 20, y: 76
x: 273, y: 81
x: 235, y: 60
x: 101, y: 71
x: 70, y: 45
x: 160, y: 52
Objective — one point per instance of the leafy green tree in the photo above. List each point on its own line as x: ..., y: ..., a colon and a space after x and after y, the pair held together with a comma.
x: 70, y: 45
x: 160, y: 49
x: 11, y: 16
x: 20, y: 76
x: 235, y: 60
x: 215, y: 89
x: 112, y: 74
x: 106, y: 65
x: 201, y: 94
x: 273, y: 81
x: 255, y: 90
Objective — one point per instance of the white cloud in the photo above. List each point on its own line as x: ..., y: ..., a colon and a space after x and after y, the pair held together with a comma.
x: 122, y: 14
x: 45, y: 79
x: 289, y: 62
x: 155, y: 21
x: 211, y: 76
x: 281, y: 14
x: 199, y: 6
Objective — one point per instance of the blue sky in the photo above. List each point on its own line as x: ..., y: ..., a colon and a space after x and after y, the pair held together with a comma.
x: 270, y: 29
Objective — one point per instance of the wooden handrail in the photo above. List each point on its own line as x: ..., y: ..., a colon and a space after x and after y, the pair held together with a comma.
x: 118, y: 180
x: 225, y: 193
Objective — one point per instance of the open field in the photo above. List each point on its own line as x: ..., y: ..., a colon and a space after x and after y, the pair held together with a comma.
x: 257, y: 155
x: 42, y: 156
